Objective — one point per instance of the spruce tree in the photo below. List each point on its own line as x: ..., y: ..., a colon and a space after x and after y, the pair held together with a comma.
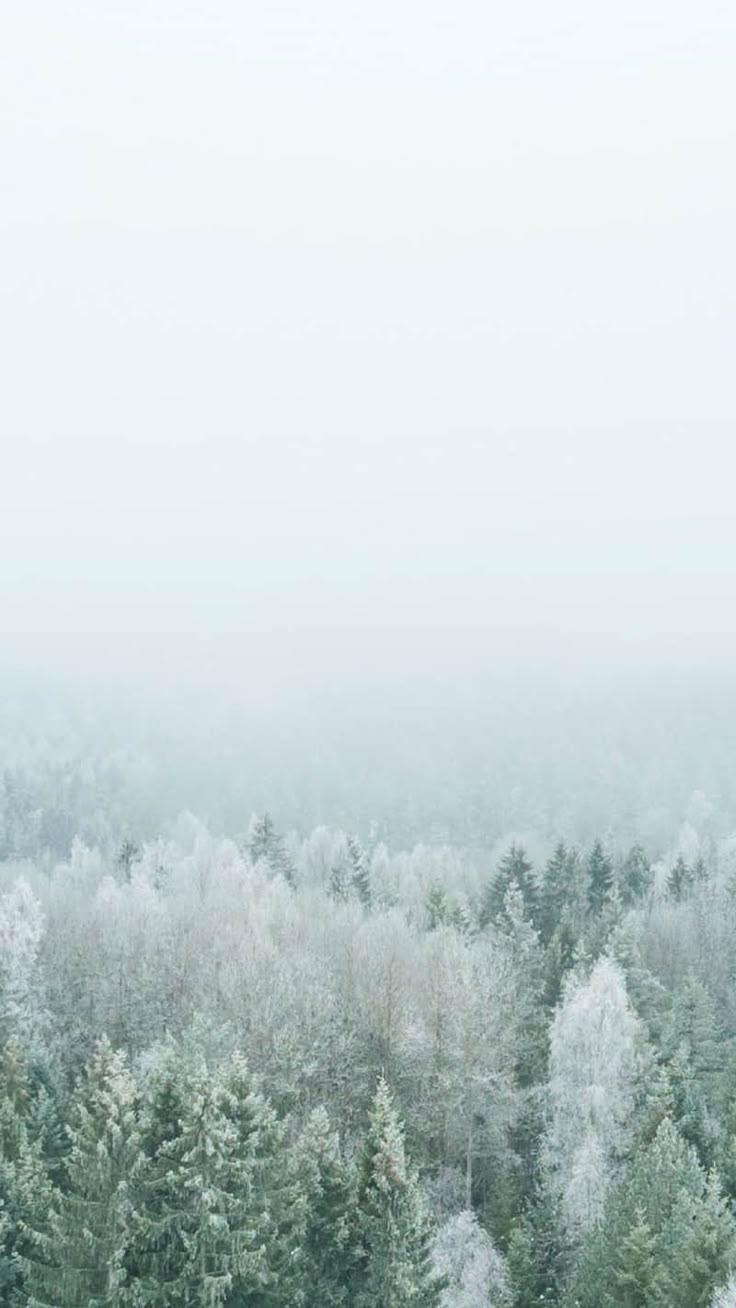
x: 360, y: 871
x: 85, y: 1255
x: 266, y: 846
x: 514, y: 872
x: 600, y: 878
x: 392, y: 1267
x: 555, y: 892
x: 681, y: 880
x: 636, y: 877
x: 329, y: 1189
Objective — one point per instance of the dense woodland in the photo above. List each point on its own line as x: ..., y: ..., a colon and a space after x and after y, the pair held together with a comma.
x: 283, y: 1070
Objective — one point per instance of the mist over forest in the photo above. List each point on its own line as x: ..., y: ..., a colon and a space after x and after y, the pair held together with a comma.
x: 367, y: 654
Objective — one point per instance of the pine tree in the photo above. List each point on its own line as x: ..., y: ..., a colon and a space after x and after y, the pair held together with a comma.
x: 636, y: 877
x: 681, y: 880
x: 600, y: 878
x: 328, y: 1185
x: 635, y: 1272
x: 669, y: 1223
x: 555, y: 892
x: 514, y: 871
x: 216, y: 1214
x: 266, y: 846
x: 25, y: 1189
x: 361, y: 873
x: 86, y: 1252
x: 392, y: 1268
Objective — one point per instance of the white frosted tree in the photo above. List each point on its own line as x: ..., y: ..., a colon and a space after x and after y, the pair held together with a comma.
x: 21, y: 930
x: 594, y: 1060
x: 469, y: 1266
x: 725, y: 1297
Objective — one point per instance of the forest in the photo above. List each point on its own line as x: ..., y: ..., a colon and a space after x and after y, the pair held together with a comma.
x: 275, y: 1067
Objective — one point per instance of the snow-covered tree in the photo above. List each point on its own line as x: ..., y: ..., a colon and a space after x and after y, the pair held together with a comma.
x: 471, y: 1269
x: 593, y: 1068
x: 393, y: 1268
x: 84, y: 1259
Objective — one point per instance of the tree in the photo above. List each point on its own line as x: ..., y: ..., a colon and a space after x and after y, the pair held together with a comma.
x: 266, y: 846
x: 514, y: 871
x: 360, y: 868
x: 465, y: 1260
x: 204, y: 1226
x: 725, y: 1296
x: 681, y: 880
x: 593, y: 1069
x: 26, y: 1194
x: 85, y: 1254
x: 600, y: 878
x: 636, y: 877
x: 667, y: 1238
x: 328, y: 1186
x: 556, y: 891
x: 392, y: 1268
x: 21, y: 931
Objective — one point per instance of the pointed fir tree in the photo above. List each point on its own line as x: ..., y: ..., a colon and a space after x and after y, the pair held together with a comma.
x: 360, y: 871
x: 266, y: 846
x: 392, y: 1267
x: 555, y: 892
x: 635, y: 878
x: 674, y: 1216
x: 680, y: 880
x: 26, y: 1193
x: 86, y: 1252
x: 514, y: 871
x: 328, y: 1185
x: 600, y: 878
x: 635, y: 1273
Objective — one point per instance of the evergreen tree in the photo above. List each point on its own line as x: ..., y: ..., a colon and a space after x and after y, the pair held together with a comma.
x: 681, y: 880
x: 600, y: 878
x: 392, y: 1268
x: 514, y: 872
x: 86, y: 1252
x: 266, y: 846
x: 667, y: 1237
x: 636, y: 877
x: 555, y: 893
x: 361, y: 873
x: 25, y: 1189
x: 328, y: 1186
x: 635, y: 1272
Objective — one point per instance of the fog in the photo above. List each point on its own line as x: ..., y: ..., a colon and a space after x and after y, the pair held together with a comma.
x: 370, y: 356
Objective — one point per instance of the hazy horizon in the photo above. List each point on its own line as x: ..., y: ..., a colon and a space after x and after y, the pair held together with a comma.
x: 366, y: 345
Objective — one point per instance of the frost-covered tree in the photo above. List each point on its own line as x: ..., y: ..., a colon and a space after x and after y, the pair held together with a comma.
x: 593, y: 1068
x: 84, y: 1258
x: 513, y: 872
x: 392, y: 1267
x: 668, y: 1236
x: 21, y: 930
x: 600, y: 877
x: 725, y: 1295
x: 328, y: 1186
x: 471, y: 1269
x: 266, y: 845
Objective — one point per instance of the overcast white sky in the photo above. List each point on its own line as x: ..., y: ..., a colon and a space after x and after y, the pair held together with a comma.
x: 383, y: 329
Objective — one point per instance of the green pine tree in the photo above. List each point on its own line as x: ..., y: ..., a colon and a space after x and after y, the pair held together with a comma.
x: 392, y: 1268
x: 514, y: 871
x: 85, y: 1254
x: 635, y: 878
x: 329, y: 1189
x: 600, y: 878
